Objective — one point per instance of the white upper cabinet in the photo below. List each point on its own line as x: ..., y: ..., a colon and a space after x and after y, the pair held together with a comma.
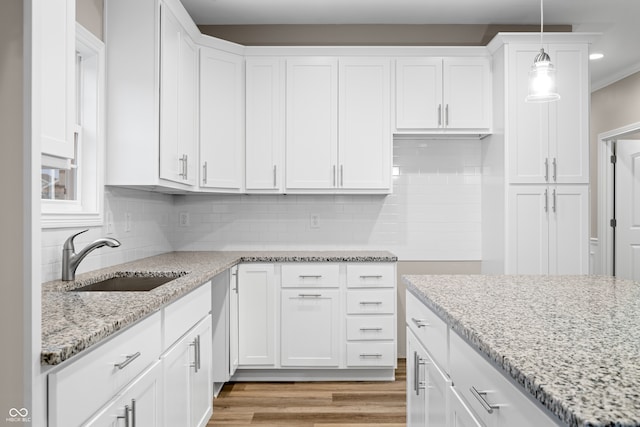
x: 440, y: 95
x: 57, y: 101
x: 221, y: 120
x: 264, y: 143
x: 338, y: 135
x: 152, y: 95
x: 312, y: 123
x: 364, y: 141
x: 178, y: 98
x: 549, y: 140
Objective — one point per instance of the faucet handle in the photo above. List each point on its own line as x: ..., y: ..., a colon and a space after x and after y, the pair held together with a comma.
x: 68, y: 244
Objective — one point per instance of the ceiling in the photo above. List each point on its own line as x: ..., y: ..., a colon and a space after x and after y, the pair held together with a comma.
x: 616, y: 20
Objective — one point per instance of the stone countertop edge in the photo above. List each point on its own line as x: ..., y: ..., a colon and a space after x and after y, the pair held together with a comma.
x: 564, y: 414
x: 75, y: 321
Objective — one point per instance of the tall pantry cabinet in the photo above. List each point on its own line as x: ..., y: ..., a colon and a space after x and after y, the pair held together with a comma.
x: 536, y: 163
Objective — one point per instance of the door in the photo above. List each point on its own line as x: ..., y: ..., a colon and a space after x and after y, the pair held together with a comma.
x: 201, y: 383
x: 256, y: 315
x: 466, y: 93
x: 568, y: 229
x: 528, y: 230
x: 627, y: 207
x: 418, y: 93
x: 365, y: 135
x: 416, y: 388
x: 221, y: 119
x: 310, y: 325
x: 312, y: 123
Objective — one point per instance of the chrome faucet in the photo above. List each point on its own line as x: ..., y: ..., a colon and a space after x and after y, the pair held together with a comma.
x: 71, y: 260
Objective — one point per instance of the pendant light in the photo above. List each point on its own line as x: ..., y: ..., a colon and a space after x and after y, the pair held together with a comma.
x: 542, y: 76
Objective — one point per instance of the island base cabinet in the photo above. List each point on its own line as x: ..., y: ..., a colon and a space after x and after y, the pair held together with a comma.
x: 461, y: 415
x: 489, y: 395
x: 139, y: 403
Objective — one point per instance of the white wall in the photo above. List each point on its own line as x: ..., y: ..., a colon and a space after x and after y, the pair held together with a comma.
x: 433, y: 213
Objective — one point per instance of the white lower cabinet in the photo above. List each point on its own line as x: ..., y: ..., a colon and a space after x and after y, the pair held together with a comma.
x: 469, y: 392
x: 156, y: 372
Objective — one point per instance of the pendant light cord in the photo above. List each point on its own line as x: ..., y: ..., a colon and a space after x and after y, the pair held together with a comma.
x: 541, y: 20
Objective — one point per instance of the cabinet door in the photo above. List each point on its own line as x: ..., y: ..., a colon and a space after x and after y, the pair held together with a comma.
x: 467, y: 93
x: 528, y: 230
x: 265, y: 124
x: 416, y: 388
x: 310, y: 323
x: 528, y: 125
x: 139, y: 404
x: 221, y: 119
x: 418, y: 93
x: 178, y: 85
x: 569, y: 117
x: 364, y: 124
x: 256, y: 315
x: 176, y: 364
x: 233, y: 322
x: 569, y: 229
x: 312, y: 123
x: 200, y: 380
x: 57, y: 74
x: 461, y: 416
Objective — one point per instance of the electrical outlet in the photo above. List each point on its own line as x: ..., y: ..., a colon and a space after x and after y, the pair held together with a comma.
x: 184, y: 220
x: 314, y: 221
x: 128, y: 222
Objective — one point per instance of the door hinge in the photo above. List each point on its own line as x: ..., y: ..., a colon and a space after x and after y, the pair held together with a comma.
x: 614, y: 159
x: 613, y: 223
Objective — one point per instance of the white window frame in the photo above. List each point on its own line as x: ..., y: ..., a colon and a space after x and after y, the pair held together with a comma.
x: 88, y: 209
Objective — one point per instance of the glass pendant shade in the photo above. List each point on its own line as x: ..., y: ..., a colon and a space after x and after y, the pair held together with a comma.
x: 542, y: 80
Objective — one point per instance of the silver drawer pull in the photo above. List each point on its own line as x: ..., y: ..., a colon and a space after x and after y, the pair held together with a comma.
x: 420, y: 323
x: 370, y: 329
x: 309, y: 295
x: 130, y: 358
x: 310, y: 276
x: 480, y: 396
x: 371, y: 276
x: 126, y: 417
x: 370, y: 355
x: 370, y: 302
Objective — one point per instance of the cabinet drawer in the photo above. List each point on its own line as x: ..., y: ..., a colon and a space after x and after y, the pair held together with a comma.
x: 371, y: 275
x: 472, y: 373
x: 429, y: 328
x: 371, y: 301
x: 364, y: 328
x: 371, y: 354
x: 313, y: 275
x: 181, y: 315
x: 82, y: 387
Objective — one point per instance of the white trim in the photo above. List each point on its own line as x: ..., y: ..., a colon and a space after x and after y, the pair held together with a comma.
x: 615, y: 77
x: 605, y: 195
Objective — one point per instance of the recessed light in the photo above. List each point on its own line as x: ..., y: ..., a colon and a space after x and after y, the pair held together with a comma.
x: 595, y: 56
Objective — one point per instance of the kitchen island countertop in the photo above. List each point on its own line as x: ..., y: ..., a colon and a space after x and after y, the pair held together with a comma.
x: 572, y: 342
x: 73, y: 321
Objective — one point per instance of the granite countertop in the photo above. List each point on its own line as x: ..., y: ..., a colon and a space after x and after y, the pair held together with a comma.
x: 74, y: 321
x: 573, y: 342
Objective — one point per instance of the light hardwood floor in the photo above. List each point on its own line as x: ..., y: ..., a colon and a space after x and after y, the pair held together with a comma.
x: 313, y: 404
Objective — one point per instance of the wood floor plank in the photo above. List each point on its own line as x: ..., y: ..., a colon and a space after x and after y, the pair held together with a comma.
x: 313, y: 404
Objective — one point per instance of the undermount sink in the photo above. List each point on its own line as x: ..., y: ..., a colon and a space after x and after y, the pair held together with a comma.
x: 127, y: 284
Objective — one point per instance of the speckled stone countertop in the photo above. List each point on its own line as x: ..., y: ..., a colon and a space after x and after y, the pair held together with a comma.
x: 573, y: 342
x: 74, y: 321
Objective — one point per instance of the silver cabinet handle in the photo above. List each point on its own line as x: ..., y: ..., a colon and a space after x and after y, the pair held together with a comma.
x: 546, y: 200
x: 480, y: 396
x: 553, y: 205
x: 309, y: 295
x: 275, y: 173
x: 546, y: 169
x: 184, y: 161
x: 370, y: 329
x: 334, y: 175
x: 341, y: 175
x: 130, y: 358
x: 446, y: 115
x: 417, y: 362
x: 133, y: 413
x: 370, y: 302
x: 370, y: 355
x: 371, y: 276
x: 420, y: 323
x: 555, y: 170
x: 439, y: 115
x: 186, y: 167
x: 310, y: 276
x: 204, y: 173
x: 195, y: 345
x: 199, y: 356
x: 125, y: 416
